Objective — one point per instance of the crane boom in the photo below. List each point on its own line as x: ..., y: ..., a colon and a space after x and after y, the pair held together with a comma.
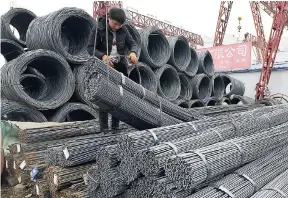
x: 255, y: 43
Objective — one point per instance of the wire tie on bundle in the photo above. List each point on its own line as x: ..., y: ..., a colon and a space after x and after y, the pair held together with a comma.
x: 240, y: 150
x: 250, y: 180
x: 144, y: 92
x: 208, y: 167
x: 173, y: 146
x: 269, y: 120
x: 276, y: 190
x: 156, y: 140
x: 225, y: 190
x: 220, y: 136
x: 194, y: 127
x: 122, y: 79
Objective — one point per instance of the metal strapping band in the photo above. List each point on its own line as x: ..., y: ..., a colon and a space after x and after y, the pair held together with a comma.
x: 156, y: 140
x: 172, y: 146
x: 121, y: 97
x: 276, y: 190
x: 195, y: 128
x: 208, y: 167
x: 144, y: 92
x: 240, y: 149
x: 225, y: 190
x: 250, y: 180
x: 122, y: 79
x: 220, y: 136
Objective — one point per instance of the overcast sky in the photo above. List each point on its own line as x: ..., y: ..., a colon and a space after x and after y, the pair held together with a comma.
x: 196, y: 16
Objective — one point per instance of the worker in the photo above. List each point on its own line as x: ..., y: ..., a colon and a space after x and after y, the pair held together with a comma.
x: 120, y: 42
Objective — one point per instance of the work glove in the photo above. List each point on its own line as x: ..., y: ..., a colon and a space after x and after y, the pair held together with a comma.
x: 133, y: 58
x: 106, y: 60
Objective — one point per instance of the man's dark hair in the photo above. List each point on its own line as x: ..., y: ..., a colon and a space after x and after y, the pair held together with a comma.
x: 118, y: 15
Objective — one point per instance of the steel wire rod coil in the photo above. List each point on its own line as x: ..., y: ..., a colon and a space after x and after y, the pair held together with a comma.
x: 128, y: 70
x: 155, y: 49
x: 153, y: 159
x: 15, y: 111
x: 180, y: 56
x: 186, y: 88
x: 206, y: 64
x: 192, y: 68
x: 201, y: 86
x: 10, y: 49
x: 195, y: 103
x: 278, y: 187
x: 135, y: 35
x: 182, y: 103
x: 20, y: 19
x: 65, y: 31
x: 233, y: 86
x: 148, y: 78
x: 70, y: 112
x: 225, y: 101
x: 212, y: 101
x: 218, y: 87
x: 50, y: 66
x: 95, y: 65
x: 168, y: 82
x: 124, y: 105
x: 236, y: 99
x: 244, y: 182
x: 201, y: 164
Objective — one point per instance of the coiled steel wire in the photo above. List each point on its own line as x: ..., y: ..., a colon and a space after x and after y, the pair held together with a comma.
x: 236, y: 99
x: 15, y: 111
x: 65, y: 31
x: 128, y: 70
x: 155, y: 49
x: 10, y: 49
x: 168, y: 82
x: 180, y: 56
x: 20, y: 19
x: 192, y: 68
x: 195, y: 103
x: 135, y: 35
x: 233, y: 86
x: 153, y: 159
x: 147, y: 76
x: 277, y: 188
x: 206, y: 64
x: 245, y: 181
x: 186, y: 88
x: 182, y: 103
x: 51, y: 66
x: 70, y: 112
x: 225, y: 101
x: 95, y: 65
x: 218, y: 87
x: 201, y: 164
x: 212, y: 101
x: 201, y: 86
x: 123, y: 105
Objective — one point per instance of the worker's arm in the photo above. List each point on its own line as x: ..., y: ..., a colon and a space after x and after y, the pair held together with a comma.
x: 91, y: 44
x: 129, y: 41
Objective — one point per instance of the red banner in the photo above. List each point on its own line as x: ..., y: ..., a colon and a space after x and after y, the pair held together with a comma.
x: 231, y: 57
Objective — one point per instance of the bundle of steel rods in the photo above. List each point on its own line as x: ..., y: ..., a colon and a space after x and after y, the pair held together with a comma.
x: 42, y: 188
x: 245, y: 181
x: 276, y: 188
x: 201, y: 164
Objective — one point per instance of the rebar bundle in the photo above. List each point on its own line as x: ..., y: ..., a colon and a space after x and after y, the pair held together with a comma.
x: 201, y: 164
x: 93, y: 180
x: 245, y: 181
x: 148, y: 78
x: 15, y: 111
x: 206, y: 64
x: 97, y: 66
x: 195, y: 103
x: 42, y: 188
x: 34, y: 158
x: 129, y: 169
x: 201, y: 86
x: 10, y: 49
x: 153, y: 159
x: 233, y: 86
x: 186, y: 88
x: 70, y: 112
x: 180, y: 56
x: 20, y: 19
x: 218, y: 87
x: 155, y: 47
x: 123, y: 105
x: 236, y: 99
x: 212, y: 101
x: 192, y: 68
x: 276, y: 188
x: 168, y: 82
x: 52, y: 67
x: 59, y: 31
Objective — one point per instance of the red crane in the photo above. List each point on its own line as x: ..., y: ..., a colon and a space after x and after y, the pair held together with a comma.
x: 140, y: 20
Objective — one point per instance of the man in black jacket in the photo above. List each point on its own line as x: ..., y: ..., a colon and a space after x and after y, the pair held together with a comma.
x: 120, y: 42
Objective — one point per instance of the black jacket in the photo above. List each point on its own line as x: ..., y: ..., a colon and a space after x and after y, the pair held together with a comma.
x: 124, y: 41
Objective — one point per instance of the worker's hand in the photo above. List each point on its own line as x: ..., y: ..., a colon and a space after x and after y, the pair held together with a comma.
x: 133, y: 58
x: 106, y: 60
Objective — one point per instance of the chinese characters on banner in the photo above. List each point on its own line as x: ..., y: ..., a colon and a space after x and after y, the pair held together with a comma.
x: 231, y: 57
